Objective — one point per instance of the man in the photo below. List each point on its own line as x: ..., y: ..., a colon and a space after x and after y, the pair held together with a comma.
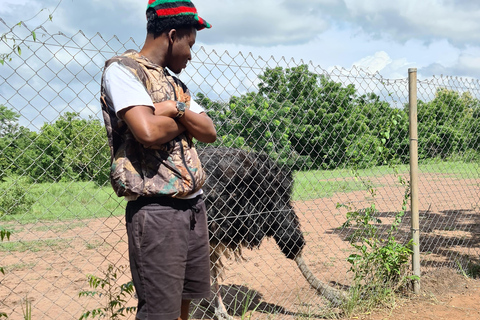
x: 151, y: 119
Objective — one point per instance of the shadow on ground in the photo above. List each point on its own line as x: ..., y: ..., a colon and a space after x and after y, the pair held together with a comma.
x: 241, y: 301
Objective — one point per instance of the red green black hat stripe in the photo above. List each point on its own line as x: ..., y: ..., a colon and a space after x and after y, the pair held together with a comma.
x: 176, y: 11
x: 172, y: 8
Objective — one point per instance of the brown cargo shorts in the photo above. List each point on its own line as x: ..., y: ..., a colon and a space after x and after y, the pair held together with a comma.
x: 169, y: 254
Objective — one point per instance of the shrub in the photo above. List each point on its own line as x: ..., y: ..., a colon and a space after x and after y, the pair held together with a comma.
x: 15, y: 198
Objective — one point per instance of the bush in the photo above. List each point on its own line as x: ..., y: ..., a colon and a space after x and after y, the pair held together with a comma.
x: 15, y: 197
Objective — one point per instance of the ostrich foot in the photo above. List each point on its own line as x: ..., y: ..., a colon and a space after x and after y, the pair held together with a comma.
x: 335, y: 296
x: 221, y: 313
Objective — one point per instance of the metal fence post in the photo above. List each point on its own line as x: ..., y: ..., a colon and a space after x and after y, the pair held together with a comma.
x: 412, y: 94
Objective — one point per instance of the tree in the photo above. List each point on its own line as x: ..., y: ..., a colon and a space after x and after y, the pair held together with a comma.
x: 447, y: 124
x: 88, y: 154
x: 8, y: 121
x: 311, y: 122
x: 15, y: 141
x: 318, y: 110
x: 71, y: 148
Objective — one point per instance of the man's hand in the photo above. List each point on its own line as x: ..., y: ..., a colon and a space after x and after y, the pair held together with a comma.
x: 198, y: 125
x: 166, y: 108
x: 149, y: 129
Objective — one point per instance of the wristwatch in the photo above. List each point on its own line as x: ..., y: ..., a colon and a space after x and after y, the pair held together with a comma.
x: 181, y: 107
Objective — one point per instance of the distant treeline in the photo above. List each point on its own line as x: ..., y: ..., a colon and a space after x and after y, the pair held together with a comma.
x: 301, y: 119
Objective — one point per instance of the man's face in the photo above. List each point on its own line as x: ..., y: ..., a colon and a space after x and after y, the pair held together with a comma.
x: 181, y: 46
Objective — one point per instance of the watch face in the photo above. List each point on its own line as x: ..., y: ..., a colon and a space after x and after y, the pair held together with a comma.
x: 180, y: 109
x: 181, y: 106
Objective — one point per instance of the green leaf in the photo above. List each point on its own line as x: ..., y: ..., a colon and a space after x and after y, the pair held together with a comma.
x: 34, y: 35
x: 19, y: 51
x: 87, y: 293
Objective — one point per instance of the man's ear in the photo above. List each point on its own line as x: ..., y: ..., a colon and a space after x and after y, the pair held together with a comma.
x: 172, y: 36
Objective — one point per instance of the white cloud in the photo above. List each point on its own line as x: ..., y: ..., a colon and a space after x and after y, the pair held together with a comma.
x: 470, y: 61
x: 261, y: 22
x: 11, y: 5
x: 467, y: 64
x: 426, y: 20
x: 431, y: 35
x: 382, y: 63
x: 374, y: 63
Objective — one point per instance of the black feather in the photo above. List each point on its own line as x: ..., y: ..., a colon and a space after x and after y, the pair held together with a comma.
x: 248, y: 198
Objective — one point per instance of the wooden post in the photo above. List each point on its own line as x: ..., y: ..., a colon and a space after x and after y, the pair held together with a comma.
x: 415, y: 227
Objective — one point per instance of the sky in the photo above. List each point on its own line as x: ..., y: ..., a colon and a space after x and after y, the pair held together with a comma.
x: 438, y: 37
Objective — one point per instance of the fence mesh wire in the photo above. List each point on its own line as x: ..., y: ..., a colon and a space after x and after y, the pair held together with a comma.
x: 342, y: 133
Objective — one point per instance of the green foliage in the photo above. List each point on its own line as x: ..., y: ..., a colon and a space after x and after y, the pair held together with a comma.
x: 19, y: 153
x: 71, y: 148
x: 249, y: 300
x: 16, y: 48
x: 8, y: 132
x: 8, y: 121
x: 307, y: 121
x: 115, y: 297
x: 4, y: 234
x: 472, y: 269
x: 300, y: 119
x: 448, y: 125
x: 27, y: 309
x: 379, y: 265
x: 65, y: 201
x: 15, y: 198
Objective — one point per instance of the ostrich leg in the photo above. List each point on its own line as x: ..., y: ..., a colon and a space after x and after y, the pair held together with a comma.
x: 215, y: 270
x: 220, y: 310
x: 335, y: 296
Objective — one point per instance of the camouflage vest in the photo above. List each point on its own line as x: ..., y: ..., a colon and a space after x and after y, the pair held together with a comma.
x: 172, y: 170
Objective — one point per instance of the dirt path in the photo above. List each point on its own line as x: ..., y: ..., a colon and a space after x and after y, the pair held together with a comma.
x: 445, y: 295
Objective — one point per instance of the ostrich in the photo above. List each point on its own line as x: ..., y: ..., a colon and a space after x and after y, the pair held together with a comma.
x: 247, y: 196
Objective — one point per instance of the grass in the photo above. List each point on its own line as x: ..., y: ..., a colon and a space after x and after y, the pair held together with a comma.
x: 458, y: 169
x: 325, y: 183
x: 64, y: 201
x: 20, y: 266
x: 36, y: 245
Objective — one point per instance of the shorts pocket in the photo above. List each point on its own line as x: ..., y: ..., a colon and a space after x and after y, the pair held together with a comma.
x: 156, y: 227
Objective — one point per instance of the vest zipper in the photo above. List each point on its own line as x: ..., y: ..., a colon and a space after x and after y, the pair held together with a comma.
x: 179, y: 140
x: 185, y: 164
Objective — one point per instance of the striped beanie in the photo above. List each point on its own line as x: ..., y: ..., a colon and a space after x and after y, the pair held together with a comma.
x: 173, y: 8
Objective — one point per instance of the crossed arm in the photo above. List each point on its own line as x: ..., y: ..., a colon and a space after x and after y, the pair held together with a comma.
x: 156, y: 127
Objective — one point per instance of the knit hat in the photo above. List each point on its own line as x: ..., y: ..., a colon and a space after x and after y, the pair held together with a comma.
x: 173, y: 8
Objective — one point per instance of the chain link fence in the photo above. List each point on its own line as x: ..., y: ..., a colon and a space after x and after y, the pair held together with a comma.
x: 343, y: 134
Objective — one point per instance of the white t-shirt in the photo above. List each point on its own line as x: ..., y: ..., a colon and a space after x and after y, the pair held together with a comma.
x: 125, y: 90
